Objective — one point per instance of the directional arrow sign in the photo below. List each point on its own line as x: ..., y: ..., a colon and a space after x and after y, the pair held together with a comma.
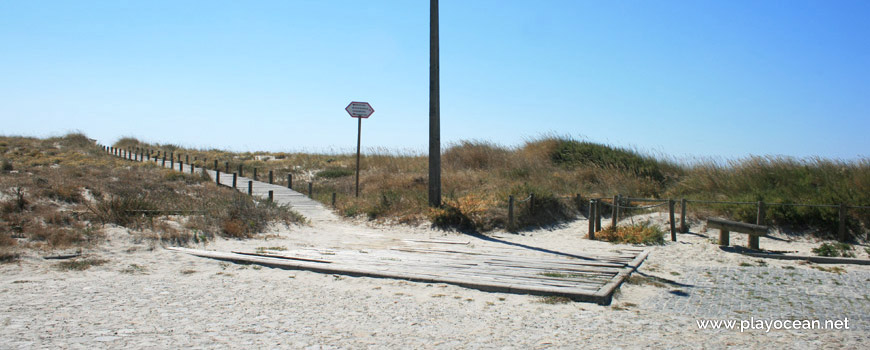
x: 359, y: 109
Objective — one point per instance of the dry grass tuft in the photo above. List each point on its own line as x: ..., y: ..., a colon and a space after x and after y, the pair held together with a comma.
x: 643, y: 233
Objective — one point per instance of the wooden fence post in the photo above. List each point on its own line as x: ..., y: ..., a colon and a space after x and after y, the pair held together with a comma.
x: 510, y: 212
x: 619, y: 211
x: 217, y: 176
x: 240, y: 170
x: 227, y: 167
x: 215, y: 165
x: 290, y: 181
x: 250, y: 187
x: 255, y: 174
x: 180, y: 166
x: 333, y: 199
x: 191, y: 168
x: 310, y: 189
x: 759, y: 220
x: 270, y: 177
x: 673, y: 222
x: 235, y: 177
x: 532, y: 203
x: 172, y: 162
x: 187, y: 158
x: 841, y: 228
x: 683, y: 227
x: 597, y: 215
x: 614, y: 213
x: 271, y: 195
x: 591, y: 217
x: 163, y: 164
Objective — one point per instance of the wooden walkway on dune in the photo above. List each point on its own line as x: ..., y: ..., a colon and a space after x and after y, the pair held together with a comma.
x: 501, y: 267
x: 312, y: 210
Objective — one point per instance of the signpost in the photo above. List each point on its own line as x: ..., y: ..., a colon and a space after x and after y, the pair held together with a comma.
x: 359, y: 110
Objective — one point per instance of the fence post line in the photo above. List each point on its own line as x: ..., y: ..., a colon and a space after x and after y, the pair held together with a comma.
x: 333, y: 199
x: 614, y: 212
x: 217, y: 176
x: 673, y: 222
x: 683, y: 227
x: 270, y: 177
x: 250, y: 187
x: 235, y: 177
x: 271, y: 195
x: 290, y: 181
x: 510, y: 212
x: 310, y: 189
x: 841, y: 228
x: 591, y: 217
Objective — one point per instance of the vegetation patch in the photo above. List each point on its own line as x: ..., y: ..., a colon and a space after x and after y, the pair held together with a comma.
x: 79, y: 264
x: 333, y: 173
x: 554, y: 299
x: 642, y: 233
x: 837, y: 249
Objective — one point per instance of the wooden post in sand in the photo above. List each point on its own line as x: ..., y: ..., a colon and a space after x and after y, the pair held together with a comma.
x: 290, y: 181
x: 683, y: 227
x: 271, y: 195
x: 591, y: 217
x: 250, y: 187
x: 235, y: 177
x: 614, y: 213
x: 673, y: 222
x: 270, y: 177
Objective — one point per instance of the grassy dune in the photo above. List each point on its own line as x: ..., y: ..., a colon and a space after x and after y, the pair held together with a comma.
x: 61, y: 193
x: 479, y: 176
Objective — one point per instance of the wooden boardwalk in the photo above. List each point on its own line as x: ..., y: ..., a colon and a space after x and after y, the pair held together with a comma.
x: 507, y: 268
x: 309, y: 208
x: 590, y: 280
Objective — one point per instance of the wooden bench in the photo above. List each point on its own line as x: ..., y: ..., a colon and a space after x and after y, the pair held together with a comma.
x: 726, y: 226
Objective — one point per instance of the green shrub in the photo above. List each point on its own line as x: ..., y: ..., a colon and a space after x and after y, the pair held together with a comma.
x: 642, y: 233
x: 835, y: 250
x: 571, y: 153
x: 332, y: 173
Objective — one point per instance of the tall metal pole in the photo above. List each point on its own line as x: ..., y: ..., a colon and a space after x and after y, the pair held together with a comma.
x: 434, y: 109
x: 358, y: 137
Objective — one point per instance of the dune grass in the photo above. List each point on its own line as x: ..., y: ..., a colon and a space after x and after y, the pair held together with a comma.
x: 478, y: 177
x: 61, y: 192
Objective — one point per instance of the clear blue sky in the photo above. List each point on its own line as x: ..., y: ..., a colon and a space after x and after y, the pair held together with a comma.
x: 683, y: 78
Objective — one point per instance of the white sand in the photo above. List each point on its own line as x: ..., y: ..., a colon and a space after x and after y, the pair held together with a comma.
x: 180, y: 301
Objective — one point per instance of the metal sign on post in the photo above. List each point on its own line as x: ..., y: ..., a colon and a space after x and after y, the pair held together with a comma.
x: 359, y: 110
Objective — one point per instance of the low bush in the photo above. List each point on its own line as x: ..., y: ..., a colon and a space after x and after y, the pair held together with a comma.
x: 835, y: 250
x: 332, y: 173
x: 642, y: 233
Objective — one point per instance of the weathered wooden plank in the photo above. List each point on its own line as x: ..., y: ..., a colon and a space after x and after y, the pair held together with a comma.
x: 729, y: 225
x: 495, y: 286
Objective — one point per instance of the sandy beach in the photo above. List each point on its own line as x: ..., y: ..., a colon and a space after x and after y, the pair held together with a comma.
x: 146, y: 296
